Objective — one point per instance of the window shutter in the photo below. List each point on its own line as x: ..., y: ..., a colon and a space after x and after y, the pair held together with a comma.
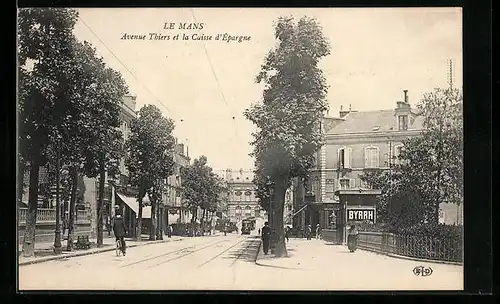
x: 339, y: 158
x: 376, y: 158
x: 367, y: 158
x: 352, y: 183
x: 348, y: 158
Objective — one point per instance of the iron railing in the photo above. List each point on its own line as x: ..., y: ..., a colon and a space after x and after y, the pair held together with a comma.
x: 423, y: 247
x: 49, y: 215
x: 429, y: 248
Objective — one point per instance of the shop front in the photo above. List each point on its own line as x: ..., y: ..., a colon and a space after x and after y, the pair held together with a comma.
x: 355, y: 206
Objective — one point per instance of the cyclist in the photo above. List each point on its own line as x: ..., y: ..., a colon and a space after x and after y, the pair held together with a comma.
x: 119, y: 230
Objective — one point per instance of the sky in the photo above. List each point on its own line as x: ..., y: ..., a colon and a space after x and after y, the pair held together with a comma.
x: 205, y: 85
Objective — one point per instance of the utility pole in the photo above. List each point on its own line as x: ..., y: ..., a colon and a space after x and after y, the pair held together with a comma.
x: 450, y: 73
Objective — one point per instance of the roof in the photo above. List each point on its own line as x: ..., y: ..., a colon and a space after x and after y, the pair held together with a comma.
x: 371, y: 121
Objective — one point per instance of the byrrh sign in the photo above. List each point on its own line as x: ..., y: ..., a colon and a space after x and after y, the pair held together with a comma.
x: 361, y: 214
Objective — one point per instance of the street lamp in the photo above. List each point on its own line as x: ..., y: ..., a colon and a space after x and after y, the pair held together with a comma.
x: 57, y: 240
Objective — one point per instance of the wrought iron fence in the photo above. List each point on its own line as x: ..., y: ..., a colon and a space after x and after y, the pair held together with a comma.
x: 429, y: 248
x: 424, y: 247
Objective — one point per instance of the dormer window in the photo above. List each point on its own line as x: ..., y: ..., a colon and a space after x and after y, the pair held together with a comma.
x: 403, y: 122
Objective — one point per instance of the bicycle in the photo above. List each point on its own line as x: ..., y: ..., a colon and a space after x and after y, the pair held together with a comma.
x: 118, y: 249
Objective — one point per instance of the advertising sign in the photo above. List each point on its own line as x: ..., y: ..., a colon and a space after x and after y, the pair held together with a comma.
x: 361, y: 214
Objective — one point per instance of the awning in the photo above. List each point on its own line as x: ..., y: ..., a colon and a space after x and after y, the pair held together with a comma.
x: 134, y: 205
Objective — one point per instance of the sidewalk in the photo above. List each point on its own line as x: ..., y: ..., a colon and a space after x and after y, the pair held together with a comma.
x: 317, y: 254
x: 44, y: 251
x: 302, y: 255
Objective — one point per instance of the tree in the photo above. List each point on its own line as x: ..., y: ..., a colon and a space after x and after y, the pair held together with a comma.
x: 429, y: 170
x: 150, y: 159
x: 45, y: 46
x: 294, y: 101
x: 201, y: 187
x: 106, y: 146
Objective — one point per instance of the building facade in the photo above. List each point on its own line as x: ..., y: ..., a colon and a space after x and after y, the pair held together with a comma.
x: 354, y: 142
x: 177, y: 213
x: 242, y: 201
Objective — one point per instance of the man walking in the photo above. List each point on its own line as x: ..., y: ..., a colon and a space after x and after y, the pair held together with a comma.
x: 308, y: 232
x: 318, y: 232
x: 266, y: 237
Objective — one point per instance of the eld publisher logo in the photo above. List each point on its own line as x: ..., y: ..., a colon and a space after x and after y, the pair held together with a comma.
x: 422, y: 271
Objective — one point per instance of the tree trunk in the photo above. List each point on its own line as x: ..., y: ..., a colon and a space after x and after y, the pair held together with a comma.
x: 72, y: 207
x: 152, y: 228
x: 203, y: 221
x: 193, y: 220
x: 29, y: 233
x: 20, y: 179
x: 138, y: 230
x: 100, y: 203
x: 279, y: 203
x: 159, y: 228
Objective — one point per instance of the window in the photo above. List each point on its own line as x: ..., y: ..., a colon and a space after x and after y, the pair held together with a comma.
x: 238, y: 210
x: 344, y: 157
x: 371, y: 157
x: 330, y: 186
x: 403, y: 122
x: 397, y: 152
x: 257, y: 211
x: 330, y: 218
x: 248, y: 211
x: 344, y: 183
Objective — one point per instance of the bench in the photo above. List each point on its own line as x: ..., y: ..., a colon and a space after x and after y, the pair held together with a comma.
x: 82, y: 242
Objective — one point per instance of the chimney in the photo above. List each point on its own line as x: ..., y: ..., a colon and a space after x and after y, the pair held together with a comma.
x: 343, y: 113
x: 406, y: 95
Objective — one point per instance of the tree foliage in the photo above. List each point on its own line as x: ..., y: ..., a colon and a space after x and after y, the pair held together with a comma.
x: 45, y: 50
x: 201, y: 187
x: 429, y: 169
x: 68, y: 100
x: 293, y: 104
x: 150, y: 156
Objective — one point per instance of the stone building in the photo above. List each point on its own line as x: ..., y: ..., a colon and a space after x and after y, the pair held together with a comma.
x: 354, y: 142
x: 242, y: 201
x: 177, y: 212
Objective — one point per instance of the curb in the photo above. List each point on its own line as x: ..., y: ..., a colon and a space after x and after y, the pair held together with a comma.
x: 101, y: 250
x: 396, y: 256
x: 271, y: 266
x: 258, y: 251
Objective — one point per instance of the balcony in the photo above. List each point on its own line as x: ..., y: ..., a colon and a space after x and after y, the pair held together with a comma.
x: 49, y: 215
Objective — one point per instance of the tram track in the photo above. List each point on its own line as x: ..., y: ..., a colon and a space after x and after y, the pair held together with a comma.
x: 180, y: 250
x: 229, y: 248
x: 186, y: 254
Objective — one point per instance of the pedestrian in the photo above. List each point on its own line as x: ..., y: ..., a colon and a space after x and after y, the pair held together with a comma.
x: 266, y: 237
x: 259, y: 231
x: 318, y: 232
x: 308, y: 232
x: 119, y: 230
x: 169, y: 231
x: 352, y: 239
x: 287, y: 233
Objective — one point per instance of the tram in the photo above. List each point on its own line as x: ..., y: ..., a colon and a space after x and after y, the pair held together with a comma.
x: 247, y: 225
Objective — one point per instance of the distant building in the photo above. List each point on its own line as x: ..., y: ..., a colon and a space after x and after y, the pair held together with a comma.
x: 178, y: 213
x: 242, y: 201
